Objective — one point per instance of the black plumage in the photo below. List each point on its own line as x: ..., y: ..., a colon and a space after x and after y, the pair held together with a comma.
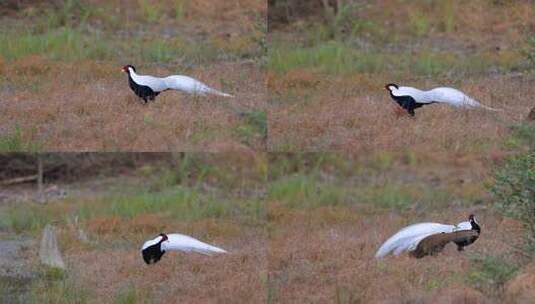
x: 143, y: 92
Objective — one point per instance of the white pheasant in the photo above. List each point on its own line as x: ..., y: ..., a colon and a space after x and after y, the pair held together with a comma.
x: 409, y: 238
x: 153, y: 250
x: 148, y: 87
x: 411, y: 98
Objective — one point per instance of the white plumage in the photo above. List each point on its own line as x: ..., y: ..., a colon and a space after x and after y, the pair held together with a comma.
x: 445, y: 95
x: 175, y: 82
x: 153, y: 250
x: 148, y: 87
x: 408, y: 238
x: 181, y: 242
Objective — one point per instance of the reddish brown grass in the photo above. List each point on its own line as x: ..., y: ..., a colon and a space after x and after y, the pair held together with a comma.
x: 314, y: 262
x: 88, y: 106
x: 237, y: 277
x: 340, y: 114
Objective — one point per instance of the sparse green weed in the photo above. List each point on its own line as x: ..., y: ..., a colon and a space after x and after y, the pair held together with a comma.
x: 132, y: 295
x: 255, y: 126
x: 15, y: 142
x: 490, y: 273
x: 152, y: 11
x: 56, y: 286
x: 300, y: 191
x: 419, y: 23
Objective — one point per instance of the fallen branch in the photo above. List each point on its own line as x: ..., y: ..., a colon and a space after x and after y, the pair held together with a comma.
x: 19, y: 180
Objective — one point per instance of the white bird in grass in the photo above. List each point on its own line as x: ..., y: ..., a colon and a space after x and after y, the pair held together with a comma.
x: 429, y: 238
x: 153, y: 250
x: 148, y: 87
x: 411, y: 98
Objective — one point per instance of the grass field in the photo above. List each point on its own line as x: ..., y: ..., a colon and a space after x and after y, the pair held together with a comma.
x: 299, y: 228
x: 62, y: 89
x: 326, y: 82
x: 216, y: 199
x: 323, y: 169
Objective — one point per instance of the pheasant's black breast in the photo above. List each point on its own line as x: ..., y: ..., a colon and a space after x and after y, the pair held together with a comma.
x: 152, y: 254
x: 144, y: 92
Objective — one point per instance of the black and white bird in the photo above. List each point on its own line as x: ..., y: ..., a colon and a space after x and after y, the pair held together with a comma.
x: 430, y: 238
x: 411, y: 98
x: 153, y: 250
x: 148, y: 87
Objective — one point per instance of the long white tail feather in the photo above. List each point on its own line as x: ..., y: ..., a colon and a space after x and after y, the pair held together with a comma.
x: 190, y: 85
x: 475, y: 104
x: 216, y: 92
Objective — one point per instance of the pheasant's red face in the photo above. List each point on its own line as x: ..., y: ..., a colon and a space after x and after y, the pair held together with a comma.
x: 125, y: 69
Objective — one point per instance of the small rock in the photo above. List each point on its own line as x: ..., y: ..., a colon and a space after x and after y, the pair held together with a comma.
x: 49, y: 252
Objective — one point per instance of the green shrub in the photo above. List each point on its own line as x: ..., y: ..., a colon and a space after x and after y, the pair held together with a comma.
x: 514, y: 192
x: 530, y: 52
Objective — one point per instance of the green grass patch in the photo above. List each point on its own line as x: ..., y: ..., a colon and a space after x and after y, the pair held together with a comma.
x: 389, y: 196
x: 306, y: 191
x: 28, y: 218
x: 178, y: 203
x: 490, y: 272
x: 14, y: 290
x: 313, y: 180
x: 254, y: 126
x: 523, y: 136
x: 55, y: 286
x: 402, y: 196
x: 15, y: 142
x: 181, y: 203
x: 419, y: 23
x: 180, y: 9
x: 70, y: 13
x: 514, y: 193
x: 76, y: 43
x: 339, y: 58
x: 132, y: 295
x: 332, y: 57
x: 61, y: 44
x: 151, y: 11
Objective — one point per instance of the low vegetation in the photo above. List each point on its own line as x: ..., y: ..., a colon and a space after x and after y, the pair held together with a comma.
x: 329, y: 61
x: 513, y: 188
x: 288, y: 219
x: 62, y: 86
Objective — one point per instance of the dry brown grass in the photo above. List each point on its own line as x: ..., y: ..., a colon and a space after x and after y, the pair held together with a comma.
x: 88, y: 106
x: 316, y: 262
x: 237, y: 277
x: 348, y: 114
